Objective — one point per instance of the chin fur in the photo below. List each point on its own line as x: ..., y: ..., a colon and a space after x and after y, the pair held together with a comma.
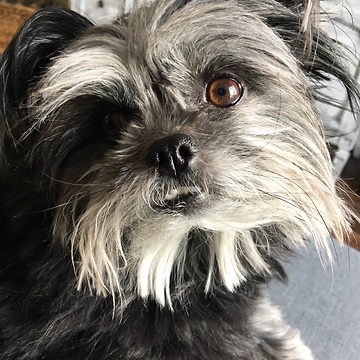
x: 96, y: 232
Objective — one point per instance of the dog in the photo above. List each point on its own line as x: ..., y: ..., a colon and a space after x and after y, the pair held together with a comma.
x: 155, y: 173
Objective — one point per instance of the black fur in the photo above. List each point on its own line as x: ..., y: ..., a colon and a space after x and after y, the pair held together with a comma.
x: 46, y: 318
x: 43, y: 316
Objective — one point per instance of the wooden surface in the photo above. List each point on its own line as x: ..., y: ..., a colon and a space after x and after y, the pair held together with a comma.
x: 354, y: 239
x: 353, y: 199
x: 11, y: 18
x: 351, y: 176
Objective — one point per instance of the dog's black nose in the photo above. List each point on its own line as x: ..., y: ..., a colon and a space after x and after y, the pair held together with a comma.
x: 171, y: 155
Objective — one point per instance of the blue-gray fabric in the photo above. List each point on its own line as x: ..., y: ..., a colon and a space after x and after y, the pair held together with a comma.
x: 323, y: 303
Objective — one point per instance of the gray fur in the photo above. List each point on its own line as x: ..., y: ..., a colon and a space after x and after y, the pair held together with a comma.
x: 261, y: 171
x: 242, y: 173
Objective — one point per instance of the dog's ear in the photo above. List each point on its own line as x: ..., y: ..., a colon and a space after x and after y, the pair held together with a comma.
x: 322, y: 58
x: 42, y: 37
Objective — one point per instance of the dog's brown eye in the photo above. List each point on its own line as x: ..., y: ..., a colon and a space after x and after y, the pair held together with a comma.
x: 223, y: 92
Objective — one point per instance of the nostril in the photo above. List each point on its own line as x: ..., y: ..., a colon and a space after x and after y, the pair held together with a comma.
x: 186, y: 151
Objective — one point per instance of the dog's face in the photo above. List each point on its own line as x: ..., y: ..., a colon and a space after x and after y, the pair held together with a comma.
x: 180, y: 142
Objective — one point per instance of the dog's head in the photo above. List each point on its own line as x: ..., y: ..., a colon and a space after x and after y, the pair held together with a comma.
x: 179, y: 144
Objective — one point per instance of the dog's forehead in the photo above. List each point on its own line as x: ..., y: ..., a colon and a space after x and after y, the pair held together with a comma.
x: 200, y: 30
x: 176, y: 51
x: 180, y: 42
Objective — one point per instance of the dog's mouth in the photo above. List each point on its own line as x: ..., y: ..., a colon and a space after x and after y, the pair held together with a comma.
x: 179, y: 199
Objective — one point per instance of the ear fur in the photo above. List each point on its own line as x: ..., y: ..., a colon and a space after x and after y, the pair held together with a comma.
x: 42, y: 37
x: 321, y: 57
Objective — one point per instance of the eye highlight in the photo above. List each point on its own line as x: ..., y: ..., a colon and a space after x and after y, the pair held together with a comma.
x: 224, y: 92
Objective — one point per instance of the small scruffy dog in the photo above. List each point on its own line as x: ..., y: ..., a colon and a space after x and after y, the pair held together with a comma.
x: 154, y: 173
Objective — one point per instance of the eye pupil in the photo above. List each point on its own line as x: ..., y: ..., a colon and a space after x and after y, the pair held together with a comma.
x: 224, y: 92
x: 221, y: 92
